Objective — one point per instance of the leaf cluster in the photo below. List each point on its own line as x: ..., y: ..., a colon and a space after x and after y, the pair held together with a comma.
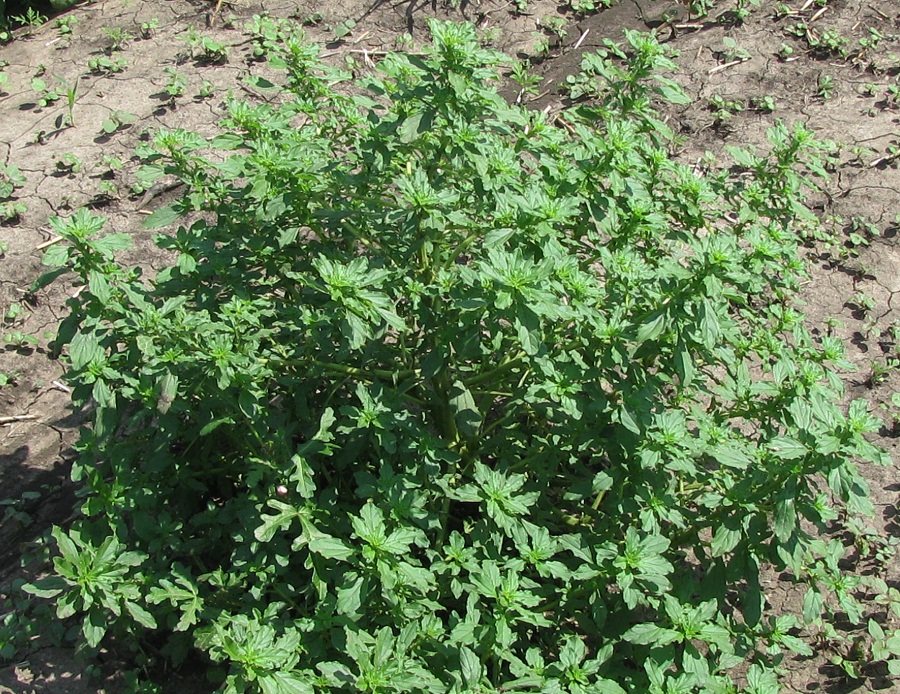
x: 443, y: 394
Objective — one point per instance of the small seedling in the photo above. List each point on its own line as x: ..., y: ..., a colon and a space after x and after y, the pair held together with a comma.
x: 4, y: 80
x: 118, y: 37
x: 206, y: 50
x: 177, y: 82
x: 785, y: 52
x: 764, y: 104
x: 824, y: 86
x: 312, y: 20
x: 528, y: 82
x: 112, y: 163
x: 723, y: 109
x: 47, y: 93
x: 117, y: 120
x: 10, y: 179
x: 102, y: 64
x: 68, y: 164
x: 148, y: 27
x: 12, y: 313
x: 881, y: 369
x: 207, y: 89
x: 588, y: 6
x: 65, y: 24
x: 554, y: 25
x: 733, y: 51
x: 541, y: 46
x: 20, y: 342
x: 32, y: 18
x: 743, y: 10
x: 344, y: 29
x: 71, y: 95
x: 11, y: 210
x: 862, y: 302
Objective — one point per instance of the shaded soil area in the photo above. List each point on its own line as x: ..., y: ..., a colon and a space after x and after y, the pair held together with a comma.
x: 82, y: 90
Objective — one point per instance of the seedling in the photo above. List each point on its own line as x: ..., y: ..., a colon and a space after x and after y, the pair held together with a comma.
x: 584, y: 7
x: 177, y: 82
x: 4, y: 80
x: 32, y: 18
x: 11, y: 210
x: 68, y: 164
x: 554, y: 25
x: 785, y: 52
x: 207, y: 89
x: 312, y: 20
x: 102, y: 64
x: 205, y: 49
x: 529, y: 83
x: 723, y: 108
x: 862, y: 302
x: 71, y: 96
x: 48, y: 93
x: 65, y: 24
x: 733, y: 52
x: 10, y: 179
x: 824, y: 86
x: 743, y: 10
x: 118, y: 37
x: 12, y: 313
x: 149, y: 27
x: 20, y: 342
x: 117, y: 120
x: 880, y: 369
x: 763, y: 104
x: 344, y: 29
x: 893, y: 411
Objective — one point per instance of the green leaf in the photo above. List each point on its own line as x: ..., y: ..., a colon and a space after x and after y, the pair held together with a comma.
x: 652, y: 634
x: 651, y: 328
x: 140, y: 615
x: 413, y: 126
x: 330, y: 548
x: 284, y: 683
x: 785, y: 519
x: 47, y: 587
x: 168, y: 389
x: 94, y: 627
x: 471, y: 668
x: 724, y: 540
x: 464, y: 410
x: 787, y: 448
x: 164, y: 216
x: 272, y: 523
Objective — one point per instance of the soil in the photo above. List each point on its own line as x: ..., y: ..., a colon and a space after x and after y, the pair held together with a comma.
x: 743, y: 76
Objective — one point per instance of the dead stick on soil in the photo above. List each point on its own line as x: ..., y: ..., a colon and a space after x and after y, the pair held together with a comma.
x: 215, y: 13
x: 16, y: 418
x: 581, y: 40
x: 818, y: 14
x: 719, y: 68
x: 806, y: 5
x: 48, y: 243
x: 878, y: 12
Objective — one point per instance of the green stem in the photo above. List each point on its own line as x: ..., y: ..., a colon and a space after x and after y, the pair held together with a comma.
x: 486, y: 376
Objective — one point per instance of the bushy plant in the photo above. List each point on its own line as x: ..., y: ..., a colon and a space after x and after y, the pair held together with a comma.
x: 443, y: 394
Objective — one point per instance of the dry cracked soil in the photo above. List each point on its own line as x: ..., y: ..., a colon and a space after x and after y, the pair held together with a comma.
x: 131, y: 67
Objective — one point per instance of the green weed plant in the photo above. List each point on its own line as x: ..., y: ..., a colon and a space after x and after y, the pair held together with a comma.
x: 442, y: 394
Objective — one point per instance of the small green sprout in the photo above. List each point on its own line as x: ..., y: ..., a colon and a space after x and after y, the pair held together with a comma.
x: 149, y: 27
x: 117, y: 120
x: 101, y: 64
